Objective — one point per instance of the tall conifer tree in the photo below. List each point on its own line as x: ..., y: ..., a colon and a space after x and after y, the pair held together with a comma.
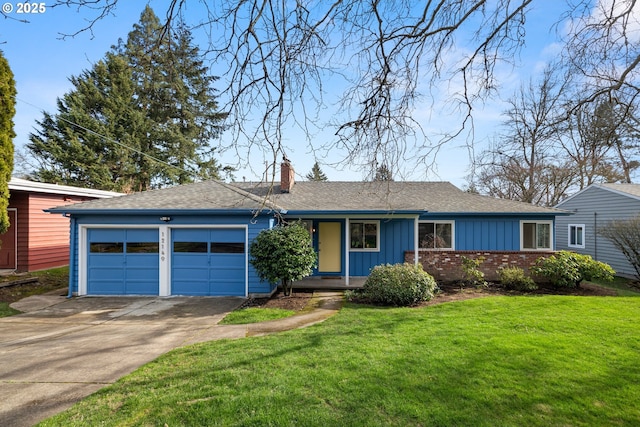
x: 143, y: 117
x: 7, y: 111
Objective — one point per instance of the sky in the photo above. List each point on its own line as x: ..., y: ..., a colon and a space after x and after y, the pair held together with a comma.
x: 42, y: 61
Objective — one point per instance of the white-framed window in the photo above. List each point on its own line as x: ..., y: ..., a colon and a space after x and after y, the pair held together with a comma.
x: 435, y: 235
x: 536, y: 235
x: 364, y: 235
x: 576, y: 236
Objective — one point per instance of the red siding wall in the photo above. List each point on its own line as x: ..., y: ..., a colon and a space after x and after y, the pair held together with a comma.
x: 446, y: 266
x: 20, y: 201
x: 43, y: 238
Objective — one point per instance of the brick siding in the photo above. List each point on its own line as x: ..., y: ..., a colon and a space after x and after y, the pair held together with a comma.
x: 446, y: 266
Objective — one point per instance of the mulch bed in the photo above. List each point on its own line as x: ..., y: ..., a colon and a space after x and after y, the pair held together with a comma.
x: 454, y: 292
x: 448, y: 292
x: 299, y: 298
x: 296, y: 301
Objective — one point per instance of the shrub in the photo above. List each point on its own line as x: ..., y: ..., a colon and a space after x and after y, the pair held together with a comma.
x: 568, y: 269
x: 514, y: 278
x: 399, y: 285
x: 472, y: 274
x: 283, y: 253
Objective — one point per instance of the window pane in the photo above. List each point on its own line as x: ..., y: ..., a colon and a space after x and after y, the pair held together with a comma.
x: 529, y: 235
x: 426, y: 235
x: 357, y: 238
x: 443, y: 236
x: 572, y: 235
x: 371, y: 236
x: 191, y: 247
x: 227, y: 248
x: 106, y: 247
x: 544, y: 236
x: 142, y: 248
x: 579, y: 233
x: 364, y: 235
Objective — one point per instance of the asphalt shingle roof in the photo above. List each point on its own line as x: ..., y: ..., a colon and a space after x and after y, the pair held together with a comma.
x: 326, y: 196
x: 631, y: 189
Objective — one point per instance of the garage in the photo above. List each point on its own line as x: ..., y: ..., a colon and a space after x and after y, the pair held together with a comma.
x: 123, y: 261
x: 208, y: 262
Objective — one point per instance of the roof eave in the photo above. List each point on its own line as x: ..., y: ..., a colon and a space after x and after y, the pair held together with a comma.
x: 524, y: 213
x: 347, y: 212
x: 164, y: 212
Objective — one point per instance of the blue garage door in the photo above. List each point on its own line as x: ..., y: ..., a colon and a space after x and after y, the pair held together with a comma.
x: 208, y: 262
x: 123, y: 262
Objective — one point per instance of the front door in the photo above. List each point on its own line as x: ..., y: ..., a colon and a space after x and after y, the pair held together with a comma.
x: 8, y: 241
x: 329, y: 247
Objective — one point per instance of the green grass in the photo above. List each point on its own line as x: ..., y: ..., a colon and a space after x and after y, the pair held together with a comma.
x: 6, y: 311
x: 508, y: 361
x: 255, y: 315
x: 621, y: 285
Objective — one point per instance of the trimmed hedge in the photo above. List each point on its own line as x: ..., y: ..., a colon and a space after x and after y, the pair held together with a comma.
x: 399, y: 285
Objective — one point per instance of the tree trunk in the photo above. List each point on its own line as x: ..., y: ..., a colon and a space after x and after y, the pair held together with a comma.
x: 286, y: 287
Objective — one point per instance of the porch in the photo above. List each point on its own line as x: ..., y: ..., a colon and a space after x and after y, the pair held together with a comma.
x: 329, y: 283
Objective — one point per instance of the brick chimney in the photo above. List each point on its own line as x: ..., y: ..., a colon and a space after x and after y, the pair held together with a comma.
x: 286, y: 176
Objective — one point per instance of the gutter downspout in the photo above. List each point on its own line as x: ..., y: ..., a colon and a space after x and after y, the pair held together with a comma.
x: 72, y: 255
x: 595, y: 235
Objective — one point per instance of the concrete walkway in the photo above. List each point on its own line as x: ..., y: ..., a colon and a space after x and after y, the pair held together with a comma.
x: 61, y: 350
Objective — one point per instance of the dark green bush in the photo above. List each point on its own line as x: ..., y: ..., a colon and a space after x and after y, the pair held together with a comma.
x: 399, y: 285
x: 515, y: 279
x: 567, y: 269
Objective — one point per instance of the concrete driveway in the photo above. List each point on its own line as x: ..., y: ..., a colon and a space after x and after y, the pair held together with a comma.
x: 61, y: 350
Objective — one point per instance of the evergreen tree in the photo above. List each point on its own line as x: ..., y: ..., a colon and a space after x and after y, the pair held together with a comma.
x: 177, y: 92
x: 71, y: 146
x: 7, y: 111
x: 316, y: 173
x: 143, y: 117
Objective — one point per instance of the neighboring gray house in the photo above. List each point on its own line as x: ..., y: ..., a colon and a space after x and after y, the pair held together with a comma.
x: 593, y: 207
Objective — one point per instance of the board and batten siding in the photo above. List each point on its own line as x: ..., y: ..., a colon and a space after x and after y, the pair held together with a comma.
x: 396, y: 236
x: 593, y: 208
x: 487, y: 234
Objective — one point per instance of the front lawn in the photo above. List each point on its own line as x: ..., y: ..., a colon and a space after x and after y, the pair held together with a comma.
x: 255, y: 315
x: 508, y: 361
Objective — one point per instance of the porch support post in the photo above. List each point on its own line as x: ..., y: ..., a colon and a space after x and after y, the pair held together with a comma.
x: 346, y: 250
x: 416, y: 241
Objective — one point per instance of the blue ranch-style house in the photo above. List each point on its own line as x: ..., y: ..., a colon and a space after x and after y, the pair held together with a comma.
x: 194, y: 239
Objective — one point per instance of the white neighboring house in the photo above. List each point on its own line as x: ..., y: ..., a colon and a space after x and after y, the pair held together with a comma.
x: 593, y: 207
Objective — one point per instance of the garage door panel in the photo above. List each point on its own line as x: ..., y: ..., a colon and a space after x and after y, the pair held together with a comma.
x: 190, y: 287
x: 108, y: 282
x: 123, y: 262
x: 191, y: 260
x: 227, y: 235
x: 215, y: 268
x: 185, y: 274
x: 190, y: 235
x: 106, y: 234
